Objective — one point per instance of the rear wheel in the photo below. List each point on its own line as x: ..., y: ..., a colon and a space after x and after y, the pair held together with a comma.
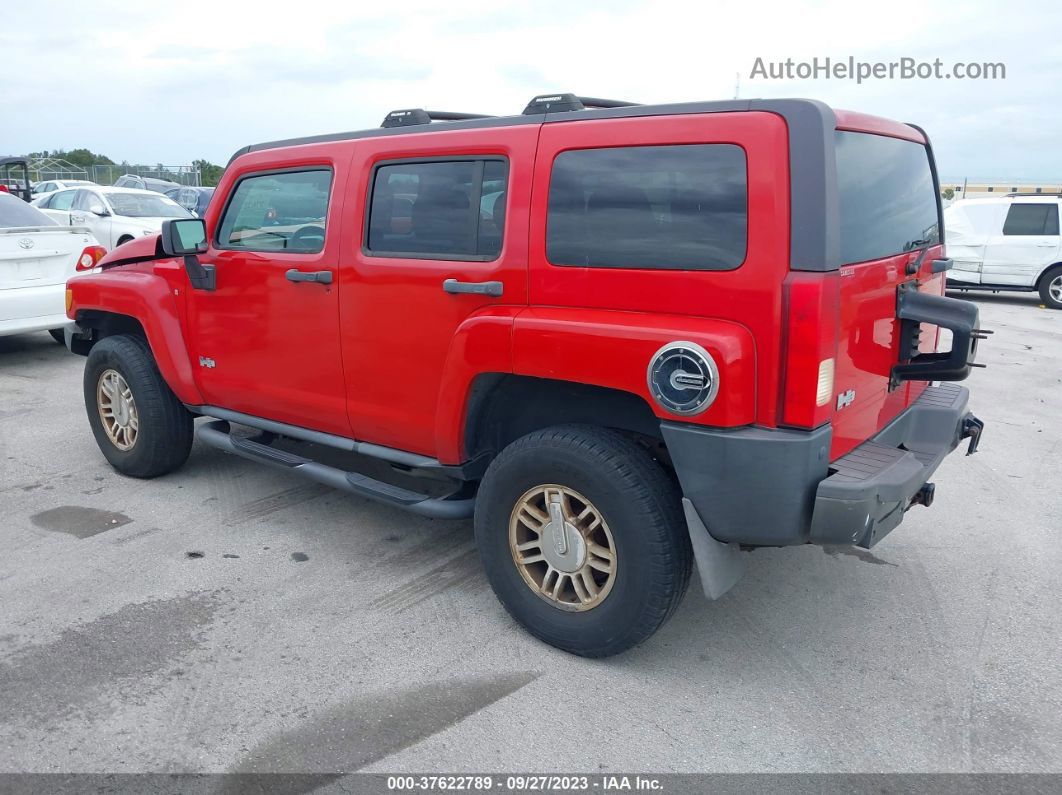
x: 140, y: 426
x: 1051, y: 287
x: 583, y: 539
x: 57, y: 335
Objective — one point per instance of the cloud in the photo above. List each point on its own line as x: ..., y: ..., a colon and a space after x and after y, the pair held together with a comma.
x: 201, y: 79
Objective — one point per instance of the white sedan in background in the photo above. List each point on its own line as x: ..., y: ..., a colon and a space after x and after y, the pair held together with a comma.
x: 37, y: 256
x: 114, y: 215
x: 52, y: 185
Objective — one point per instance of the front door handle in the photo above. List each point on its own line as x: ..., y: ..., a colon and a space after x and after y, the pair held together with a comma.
x: 453, y: 286
x: 321, y: 277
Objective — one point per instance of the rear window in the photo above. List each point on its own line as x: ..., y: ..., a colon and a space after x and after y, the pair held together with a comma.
x: 1031, y: 219
x: 15, y: 212
x: 440, y: 209
x: 888, y: 202
x: 682, y: 207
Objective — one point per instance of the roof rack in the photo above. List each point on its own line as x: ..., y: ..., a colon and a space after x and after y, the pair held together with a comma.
x: 412, y: 116
x: 1034, y: 195
x: 555, y: 103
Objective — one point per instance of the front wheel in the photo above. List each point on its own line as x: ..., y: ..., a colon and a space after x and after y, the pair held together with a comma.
x: 583, y: 539
x: 140, y: 426
x: 1051, y: 288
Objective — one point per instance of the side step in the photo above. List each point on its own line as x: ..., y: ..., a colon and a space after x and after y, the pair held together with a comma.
x: 216, y: 434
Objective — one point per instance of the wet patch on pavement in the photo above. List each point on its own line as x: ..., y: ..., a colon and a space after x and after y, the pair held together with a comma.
x: 45, y: 684
x: 78, y: 521
x: 349, y: 737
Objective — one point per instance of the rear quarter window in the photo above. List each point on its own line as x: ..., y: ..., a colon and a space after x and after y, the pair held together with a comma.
x: 1031, y: 219
x: 886, y: 194
x: 681, y: 207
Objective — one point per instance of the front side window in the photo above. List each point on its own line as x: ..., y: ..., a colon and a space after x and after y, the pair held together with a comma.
x: 283, y: 211
x: 886, y: 196
x: 681, y: 207
x: 1031, y: 219
x: 63, y: 200
x: 452, y: 209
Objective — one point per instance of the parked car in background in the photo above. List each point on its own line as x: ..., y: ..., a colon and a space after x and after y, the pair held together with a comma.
x: 193, y: 199
x: 52, y: 185
x: 115, y: 215
x: 37, y: 256
x: 14, y: 177
x: 1007, y: 243
x: 145, y: 183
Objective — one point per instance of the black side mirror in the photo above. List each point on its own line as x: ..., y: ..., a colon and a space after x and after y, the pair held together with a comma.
x: 186, y: 237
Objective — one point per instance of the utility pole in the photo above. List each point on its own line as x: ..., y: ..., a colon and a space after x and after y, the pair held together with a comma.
x: 737, y: 85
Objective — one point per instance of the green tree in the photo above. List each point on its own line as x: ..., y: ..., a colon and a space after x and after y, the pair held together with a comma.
x: 209, y: 173
x: 948, y: 193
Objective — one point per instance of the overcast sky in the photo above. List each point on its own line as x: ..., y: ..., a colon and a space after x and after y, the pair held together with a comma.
x: 150, y: 82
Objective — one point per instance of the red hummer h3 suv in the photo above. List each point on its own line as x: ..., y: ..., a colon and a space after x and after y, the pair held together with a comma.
x: 625, y: 338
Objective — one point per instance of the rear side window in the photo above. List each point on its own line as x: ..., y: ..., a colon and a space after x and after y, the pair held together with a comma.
x: 282, y: 211
x: 888, y: 202
x: 681, y: 207
x: 15, y: 212
x: 440, y: 209
x: 1031, y: 219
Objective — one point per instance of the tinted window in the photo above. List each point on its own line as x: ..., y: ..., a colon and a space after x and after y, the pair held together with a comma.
x: 277, y: 212
x: 1031, y: 219
x: 15, y: 212
x: 677, y: 207
x: 438, y: 210
x: 888, y: 203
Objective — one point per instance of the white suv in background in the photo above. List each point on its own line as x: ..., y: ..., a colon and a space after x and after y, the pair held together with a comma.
x: 1006, y: 243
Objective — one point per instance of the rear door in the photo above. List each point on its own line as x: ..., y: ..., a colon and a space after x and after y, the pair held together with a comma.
x: 438, y: 237
x: 1028, y: 243
x: 889, y: 223
x: 59, y: 206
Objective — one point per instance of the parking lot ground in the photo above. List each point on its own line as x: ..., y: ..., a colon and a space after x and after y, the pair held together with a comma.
x: 228, y: 618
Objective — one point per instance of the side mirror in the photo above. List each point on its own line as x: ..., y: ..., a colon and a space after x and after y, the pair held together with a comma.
x: 97, y: 209
x: 186, y: 237
x: 183, y: 237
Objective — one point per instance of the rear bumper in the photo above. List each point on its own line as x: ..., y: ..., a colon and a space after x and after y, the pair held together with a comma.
x: 767, y: 487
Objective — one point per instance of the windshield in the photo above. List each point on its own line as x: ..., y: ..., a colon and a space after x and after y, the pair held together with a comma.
x: 887, y: 197
x: 139, y: 205
x: 15, y: 212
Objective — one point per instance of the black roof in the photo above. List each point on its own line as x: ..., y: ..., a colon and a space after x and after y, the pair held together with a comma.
x: 13, y: 160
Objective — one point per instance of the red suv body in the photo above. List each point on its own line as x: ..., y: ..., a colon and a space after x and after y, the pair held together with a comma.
x: 747, y: 294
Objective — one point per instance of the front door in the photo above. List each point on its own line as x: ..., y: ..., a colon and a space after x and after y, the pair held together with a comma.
x: 1028, y: 244
x: 440, y: 238
x: 266, y: 340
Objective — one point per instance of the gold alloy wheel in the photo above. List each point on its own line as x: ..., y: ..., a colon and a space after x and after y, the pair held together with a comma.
x: 117, y: 409
x: 562, y: 547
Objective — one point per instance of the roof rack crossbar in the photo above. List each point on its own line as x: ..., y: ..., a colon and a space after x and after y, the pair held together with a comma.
x: 411, y: 116
x: 557, y: 103
x: 1034, y: 194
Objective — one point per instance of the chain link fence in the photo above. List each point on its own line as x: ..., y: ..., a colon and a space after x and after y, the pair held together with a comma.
x: 49, y: 168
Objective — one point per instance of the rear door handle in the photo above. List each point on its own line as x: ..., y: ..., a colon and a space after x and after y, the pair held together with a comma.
x: 321, y: 277
x: 453, y: 286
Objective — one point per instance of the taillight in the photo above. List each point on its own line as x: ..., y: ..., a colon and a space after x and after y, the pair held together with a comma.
x: 90, y: 257
x: 812, y: 320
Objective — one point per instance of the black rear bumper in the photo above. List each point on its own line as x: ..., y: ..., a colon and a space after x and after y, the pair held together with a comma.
x: 768, y: 487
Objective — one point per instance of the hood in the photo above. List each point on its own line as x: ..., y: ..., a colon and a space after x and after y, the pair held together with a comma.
x: 136, y: 250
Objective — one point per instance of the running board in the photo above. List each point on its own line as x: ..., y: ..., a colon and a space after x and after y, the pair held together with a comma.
x: 216, y: 434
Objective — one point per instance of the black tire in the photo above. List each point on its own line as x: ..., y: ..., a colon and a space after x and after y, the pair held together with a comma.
x: 58, y: 335
x: 641, y: 506
x: 1054, y: 272
x: 164, y: 438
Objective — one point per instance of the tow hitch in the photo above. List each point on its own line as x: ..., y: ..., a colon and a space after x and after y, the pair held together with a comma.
x: 925, y: 495
x: 971, y: 429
